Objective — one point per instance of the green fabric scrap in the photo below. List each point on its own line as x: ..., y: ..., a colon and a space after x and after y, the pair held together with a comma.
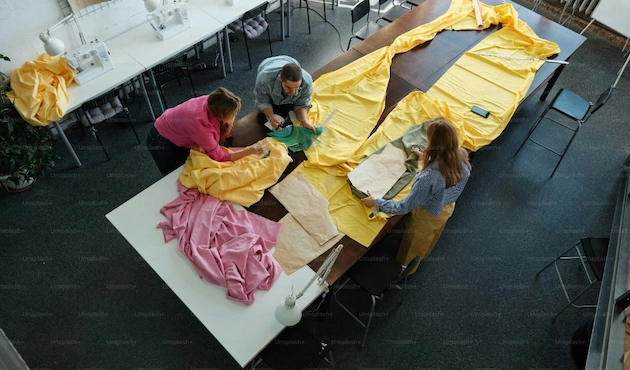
x: 296, y: 138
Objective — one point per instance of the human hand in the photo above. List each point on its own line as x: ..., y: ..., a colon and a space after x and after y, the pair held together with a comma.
x: 258, y: 149
x: 309, y: 126
x: 369, y: 201
x: 275, y: 122
x: 415, y: 150
x: 200, y: 149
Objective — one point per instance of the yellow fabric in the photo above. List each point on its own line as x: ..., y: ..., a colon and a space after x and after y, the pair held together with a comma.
x: 472, y: 80
x: 39, y: 89
x: 358, y: 92
x: 243, y: 181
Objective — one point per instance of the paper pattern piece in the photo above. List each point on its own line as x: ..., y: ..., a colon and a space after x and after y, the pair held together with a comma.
x: 379, y: 172
x: 77, y: 5
x: 296, y: 248
x: 307, y: 205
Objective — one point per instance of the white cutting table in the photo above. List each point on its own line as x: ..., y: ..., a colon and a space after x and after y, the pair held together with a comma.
x: 242, y: 330
x: 125, y: 68
x: 143, y: 45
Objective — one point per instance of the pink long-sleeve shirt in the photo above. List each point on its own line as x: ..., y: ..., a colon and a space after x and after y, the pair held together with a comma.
x: 191, y: 125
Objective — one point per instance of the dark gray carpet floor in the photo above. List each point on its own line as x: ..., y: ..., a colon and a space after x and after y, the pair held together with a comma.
x: 75, y: 295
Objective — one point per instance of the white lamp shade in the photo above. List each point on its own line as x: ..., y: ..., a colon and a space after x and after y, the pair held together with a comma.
x: 52, y: 46
x: 288, y: 316
x: 151, y: 5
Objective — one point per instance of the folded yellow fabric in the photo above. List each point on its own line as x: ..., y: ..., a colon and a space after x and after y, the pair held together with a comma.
x: 243, y: 181
x: 39, y: 89
x: 358, y: 92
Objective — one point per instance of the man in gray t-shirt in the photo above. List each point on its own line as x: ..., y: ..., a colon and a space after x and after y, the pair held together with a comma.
x: 281, y: 86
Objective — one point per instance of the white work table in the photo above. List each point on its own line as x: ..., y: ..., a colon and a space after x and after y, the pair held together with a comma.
x: 125, y: 68
x: 242, y: 330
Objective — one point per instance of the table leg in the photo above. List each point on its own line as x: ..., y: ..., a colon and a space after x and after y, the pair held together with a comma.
x: 146, y: 97
x: 621, y: 70
x: 552, y: 81
x: 227, y: 46
x: 154, y: 85
x: 282, y: 18
x: 67, y: 143
x: 221, y: 53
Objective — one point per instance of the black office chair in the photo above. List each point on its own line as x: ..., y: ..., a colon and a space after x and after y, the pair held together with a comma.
x: 593, y: 251
x: 376, y: 273
x: 573, y: 106
x: 395, y: 12
x: 357, y: 12
x: 103, y: 109
x: 168, y: 73
x: 251, y: 25
x: 295, y: 348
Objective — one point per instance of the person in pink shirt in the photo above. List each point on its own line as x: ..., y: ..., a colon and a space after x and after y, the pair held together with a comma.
x: 201, y: 123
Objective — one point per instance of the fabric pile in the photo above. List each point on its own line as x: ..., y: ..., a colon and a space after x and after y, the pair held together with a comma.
x: 224, y: 245
x: 39, y: 89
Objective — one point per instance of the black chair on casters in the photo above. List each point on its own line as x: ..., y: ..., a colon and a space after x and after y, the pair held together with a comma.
x: 573, y: 106
x: 376, y: 272
x: 593, y: 251
x: 251, y: 25
x: 359, y: 11
x: 102, y: 109
x: 295, y: 348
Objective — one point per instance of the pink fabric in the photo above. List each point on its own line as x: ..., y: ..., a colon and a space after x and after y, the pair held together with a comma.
x: 226, y: 246
x: 191, y: 125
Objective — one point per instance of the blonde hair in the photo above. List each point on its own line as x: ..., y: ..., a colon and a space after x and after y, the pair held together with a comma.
x: 444, y: 149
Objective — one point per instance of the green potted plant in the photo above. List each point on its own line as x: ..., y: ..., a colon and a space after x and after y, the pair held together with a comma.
x: 25, y: 150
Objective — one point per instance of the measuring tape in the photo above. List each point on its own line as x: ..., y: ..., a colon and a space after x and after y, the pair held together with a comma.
x: 520, y: 57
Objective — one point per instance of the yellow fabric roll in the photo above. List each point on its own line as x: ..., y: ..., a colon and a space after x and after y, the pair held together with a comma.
x: 39, y: 89
x: 243, y: 181
x: 358, y: 92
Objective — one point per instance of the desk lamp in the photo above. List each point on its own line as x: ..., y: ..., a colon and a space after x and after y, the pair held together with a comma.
x: 288, y: 313
x: 53, y: 46
x: 88, y: 60
x: 167, y: 19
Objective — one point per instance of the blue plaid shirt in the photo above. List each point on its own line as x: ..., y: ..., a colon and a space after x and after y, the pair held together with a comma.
x: 427, y: 191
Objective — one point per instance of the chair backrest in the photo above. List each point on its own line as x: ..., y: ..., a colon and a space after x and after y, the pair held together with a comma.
x: 260, y: 9
x: 603, y: 98
x: 359, y: 11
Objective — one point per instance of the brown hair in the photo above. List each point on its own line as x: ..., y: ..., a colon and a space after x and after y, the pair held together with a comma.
x: 291, y: 72
x: 444, y: 149
x: 223, y: 104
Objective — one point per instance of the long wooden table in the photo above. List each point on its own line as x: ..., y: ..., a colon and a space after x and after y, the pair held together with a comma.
x: 430, y: 61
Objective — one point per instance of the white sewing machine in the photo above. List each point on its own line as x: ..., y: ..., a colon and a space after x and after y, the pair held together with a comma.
x: 169, y: 20
x: 89, y: 61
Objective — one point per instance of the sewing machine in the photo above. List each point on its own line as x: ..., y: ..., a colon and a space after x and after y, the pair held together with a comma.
x: 88, y: 61
x: 169, y: 20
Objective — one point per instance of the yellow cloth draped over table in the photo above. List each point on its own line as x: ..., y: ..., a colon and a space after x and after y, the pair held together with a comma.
x: 39, y: 89
x: 243, y: 181
x: 358, y: 92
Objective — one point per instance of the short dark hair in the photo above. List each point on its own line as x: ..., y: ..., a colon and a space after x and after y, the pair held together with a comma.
x: 291, y: 72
